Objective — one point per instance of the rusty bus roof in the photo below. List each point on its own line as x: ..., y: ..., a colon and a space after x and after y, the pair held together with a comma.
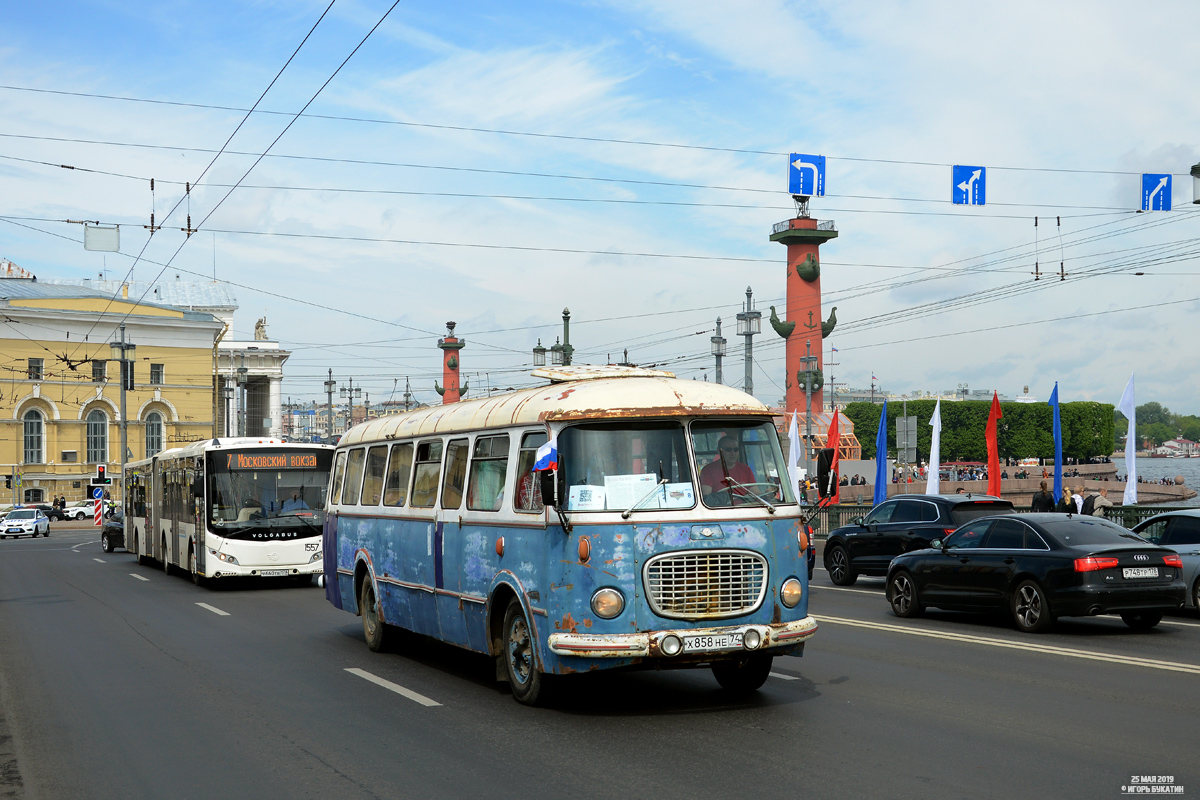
x: 592, y: 399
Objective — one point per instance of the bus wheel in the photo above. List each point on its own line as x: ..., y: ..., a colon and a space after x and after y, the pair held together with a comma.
x: 743, y: 675
x: 374, y: 628
x: 192, y: 567
x: 166, y: 557
x: 528, y: 685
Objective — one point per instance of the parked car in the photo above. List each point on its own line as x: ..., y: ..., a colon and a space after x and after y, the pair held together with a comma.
x: 78, y: 510
x: 900, y: 525
x: 1180, y: 531
x: 113, y: 533
x: 25, y: 522
x: 53, y: 514
x: 1040, y: 567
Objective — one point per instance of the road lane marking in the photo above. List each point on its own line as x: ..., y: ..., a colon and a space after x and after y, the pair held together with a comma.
x: 394, y: 687
x: 214, y: 609
x: 781, y: 676
x: 844, y: 589
x: 1068, y: 652
x: 99, y: 560
x: 139, y: 577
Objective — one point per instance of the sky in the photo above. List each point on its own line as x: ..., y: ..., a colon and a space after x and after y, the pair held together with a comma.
x: 492, y: 164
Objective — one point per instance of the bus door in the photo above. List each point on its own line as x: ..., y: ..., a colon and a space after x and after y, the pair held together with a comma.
x: 155, y: 523
x: 196, y: 504
x: 450, y: 544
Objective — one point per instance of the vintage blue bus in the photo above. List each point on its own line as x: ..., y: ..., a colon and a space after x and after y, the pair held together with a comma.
x: 668, y: 536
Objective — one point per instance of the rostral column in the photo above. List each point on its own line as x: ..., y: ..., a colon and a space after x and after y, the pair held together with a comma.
x: 803, y: 236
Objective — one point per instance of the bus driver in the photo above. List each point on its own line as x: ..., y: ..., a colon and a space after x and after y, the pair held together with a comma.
x: 725, y: 471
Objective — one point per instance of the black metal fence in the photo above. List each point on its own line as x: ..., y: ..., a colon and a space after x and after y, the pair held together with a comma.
x: 836, y: 516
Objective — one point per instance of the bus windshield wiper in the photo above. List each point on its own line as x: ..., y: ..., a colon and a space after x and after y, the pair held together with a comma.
x: 625, y: 514
x: 750, y: 493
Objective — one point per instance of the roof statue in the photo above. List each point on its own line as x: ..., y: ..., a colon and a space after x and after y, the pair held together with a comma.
x: 260, y: 329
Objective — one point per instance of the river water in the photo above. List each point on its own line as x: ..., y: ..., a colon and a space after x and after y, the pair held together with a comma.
x: 1151, y: 469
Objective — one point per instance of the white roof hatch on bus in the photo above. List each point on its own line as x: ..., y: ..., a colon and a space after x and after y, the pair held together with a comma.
x: 589, y: 393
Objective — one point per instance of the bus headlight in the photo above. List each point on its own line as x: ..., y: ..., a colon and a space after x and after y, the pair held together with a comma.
x: 671, y: 645
x: 228, y: 559
x: 790, y: 592
x: 608, y: 603
x: 316, y: 557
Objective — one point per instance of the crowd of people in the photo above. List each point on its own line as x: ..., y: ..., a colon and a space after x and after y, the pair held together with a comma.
x: 1073, y: 501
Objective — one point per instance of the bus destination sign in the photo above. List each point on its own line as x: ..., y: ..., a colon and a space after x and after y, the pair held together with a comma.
x: 259, y: 460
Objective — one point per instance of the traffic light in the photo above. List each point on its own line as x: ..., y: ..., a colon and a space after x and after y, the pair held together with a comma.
x: 8, y: 481
x: 827, y: 477
x: 101, y: 478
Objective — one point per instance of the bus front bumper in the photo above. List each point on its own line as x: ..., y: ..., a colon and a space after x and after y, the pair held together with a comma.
x: 221, y: 569
x: 730, y: 639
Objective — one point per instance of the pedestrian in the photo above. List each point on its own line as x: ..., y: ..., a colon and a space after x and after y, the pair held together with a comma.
x: 1042, y: 501
x: 1077, y: 497
x: 1102, y: 502
x: 1065, y: 504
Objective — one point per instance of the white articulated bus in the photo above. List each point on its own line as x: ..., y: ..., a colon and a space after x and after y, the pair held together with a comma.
x: 226, y: 508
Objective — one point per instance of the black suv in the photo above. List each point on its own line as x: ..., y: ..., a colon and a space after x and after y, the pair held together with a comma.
x: 900, y: 525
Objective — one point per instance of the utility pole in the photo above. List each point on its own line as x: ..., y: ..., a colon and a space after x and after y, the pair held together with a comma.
x: 718, y: 350
x: 120, y: 351
x: 349, y: 395
x: 407, y: 393
x: 810, y: 365
x: 329, y: 384
x: 241, y: 380
x: 749, y: 323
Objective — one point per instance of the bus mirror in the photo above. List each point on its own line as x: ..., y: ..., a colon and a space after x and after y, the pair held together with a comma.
x: 546, y: 486
x: 827, y: 477
x: 197, y: 489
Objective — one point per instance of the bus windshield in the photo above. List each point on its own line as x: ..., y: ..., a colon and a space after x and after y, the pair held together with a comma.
x: 739, y: 461
x: 267, y: 494
x: 620, y: 466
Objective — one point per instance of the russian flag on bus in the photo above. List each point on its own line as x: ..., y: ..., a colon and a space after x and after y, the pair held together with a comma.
x: 547, y: 455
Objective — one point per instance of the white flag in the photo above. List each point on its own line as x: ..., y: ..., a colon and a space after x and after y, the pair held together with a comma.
x: 794, y: 452
x: 934, y: 485
x: 1129, y: 409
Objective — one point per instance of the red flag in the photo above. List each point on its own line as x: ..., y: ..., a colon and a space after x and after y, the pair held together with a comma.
x: 993, y: 449
x: 832, y: 440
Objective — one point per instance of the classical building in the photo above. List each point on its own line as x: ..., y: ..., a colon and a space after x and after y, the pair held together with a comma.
x: 60, y: 392
x: 250, y: 396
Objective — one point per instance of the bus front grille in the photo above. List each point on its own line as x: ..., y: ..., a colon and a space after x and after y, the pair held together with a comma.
x: 705, y: 584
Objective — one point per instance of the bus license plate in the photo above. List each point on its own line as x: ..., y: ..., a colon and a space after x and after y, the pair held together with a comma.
x: 1140, y: 572
x: 274, y: 573
x: 700, y: 644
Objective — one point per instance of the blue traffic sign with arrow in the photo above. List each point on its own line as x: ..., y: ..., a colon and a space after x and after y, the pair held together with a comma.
x: 969, y: 186
x: 806, y: 175
x: 1156, y: 192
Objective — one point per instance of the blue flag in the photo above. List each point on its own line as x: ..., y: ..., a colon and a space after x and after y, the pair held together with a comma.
x: 1058, y: 465
x: 881, y: 473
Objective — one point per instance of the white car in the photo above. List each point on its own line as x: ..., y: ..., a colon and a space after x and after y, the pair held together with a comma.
x: 25, y: 522
x: 78, y: 512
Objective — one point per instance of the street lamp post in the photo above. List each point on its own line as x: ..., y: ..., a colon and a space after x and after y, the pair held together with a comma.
x: 749, y: 323
x: 561, y: 351
x: 718, y: 350
x: 330, y: 385
x: 350, y: 393
x: 241, y: 382
x: 121, y: 351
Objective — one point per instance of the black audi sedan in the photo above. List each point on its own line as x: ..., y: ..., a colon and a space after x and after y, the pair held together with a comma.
x: 1040, y: 567
x: 899, y: 525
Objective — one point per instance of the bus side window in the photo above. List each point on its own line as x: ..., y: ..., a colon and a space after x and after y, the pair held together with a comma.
x: 489, y: 465
x: 373, y: 480
x: 528, y: 494
x: 354, y: 474
x: 397, y: 475
x: 456, y: 473
x: 425, y: 476
x: 339, y: 469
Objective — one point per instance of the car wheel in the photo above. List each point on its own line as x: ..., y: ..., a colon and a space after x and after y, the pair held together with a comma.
x: 1030, y: 609
x: 902, y: 594
x: 1142, y: 620
x: 838, y: 564
x: 520, y: 665
x: 743, y: 675
x: 105, y: 543
x: 1196, y: 594
x: 374, y: 628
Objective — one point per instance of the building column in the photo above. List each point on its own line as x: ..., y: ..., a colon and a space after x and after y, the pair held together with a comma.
x: 276, y: 407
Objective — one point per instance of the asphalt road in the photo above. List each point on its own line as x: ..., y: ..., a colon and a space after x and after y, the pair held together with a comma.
x: 116, y: 682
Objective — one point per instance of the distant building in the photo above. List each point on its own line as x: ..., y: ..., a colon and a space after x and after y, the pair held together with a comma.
x: 60, y: 391
x: 1178, y: 447
x: 250, y: 400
